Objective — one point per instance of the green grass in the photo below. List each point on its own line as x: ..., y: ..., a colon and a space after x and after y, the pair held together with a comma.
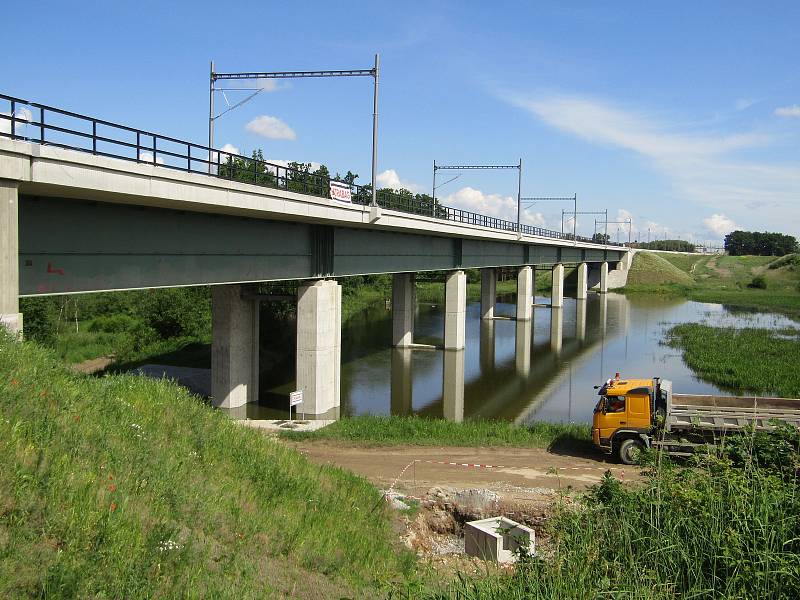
x: 719, y: 279
x: 377, y: 431
x: 649, y: 268
x: 127, y: 487
x: 755, y: 361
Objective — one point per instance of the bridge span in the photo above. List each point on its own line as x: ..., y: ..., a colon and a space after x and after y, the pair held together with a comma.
x: 82, y: 210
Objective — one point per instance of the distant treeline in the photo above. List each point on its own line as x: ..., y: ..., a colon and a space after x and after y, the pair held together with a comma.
x: 674, y: 245
x: 739, y: 243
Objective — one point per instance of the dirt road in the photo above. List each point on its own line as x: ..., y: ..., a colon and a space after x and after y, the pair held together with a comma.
x: 511, y: 472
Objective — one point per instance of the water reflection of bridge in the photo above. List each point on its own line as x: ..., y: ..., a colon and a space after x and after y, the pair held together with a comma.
x: 514, y: 387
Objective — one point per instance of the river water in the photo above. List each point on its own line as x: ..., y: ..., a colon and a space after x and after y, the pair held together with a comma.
x: 542, y: 370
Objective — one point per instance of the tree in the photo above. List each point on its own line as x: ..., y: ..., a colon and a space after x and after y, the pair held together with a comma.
x: 738, y: 243
x: 601, y: 238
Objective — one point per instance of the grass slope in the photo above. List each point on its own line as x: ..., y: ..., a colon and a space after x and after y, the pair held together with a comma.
x: 649, y: 268
x: 421, y: 431
x: 126, y: 487
x: 720, y: 279
x: 756, y: 361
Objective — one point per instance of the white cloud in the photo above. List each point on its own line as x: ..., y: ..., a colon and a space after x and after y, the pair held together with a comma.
x: 720, y: 224
x: 148, y: 157
x: 699, y: 165
x: 271, y: 128
x: 23, y: 117
x: 390, y: 179
x: 492, y: 205
x: 285, y: 163
x: 788, y: 111
x: 230, y: 149
x: 745, y: 103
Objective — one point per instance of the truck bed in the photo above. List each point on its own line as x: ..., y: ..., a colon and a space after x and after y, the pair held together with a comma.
x: 689, y: 411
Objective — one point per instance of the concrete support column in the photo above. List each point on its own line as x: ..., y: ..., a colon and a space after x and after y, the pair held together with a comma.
x: 10, y: 317
x: 453, y: 386
x: 525, y: 294
x: 402, y: 382
x: 557, y: 291
x: 603, y: 278
x: 404, y: 300
x: 319, y: 343
x: 455, y: 310
x: 488, y: 292
x: 234, y: 347
x: 583, y: 280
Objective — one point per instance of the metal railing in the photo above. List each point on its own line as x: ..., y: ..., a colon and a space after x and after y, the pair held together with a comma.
x: 47, y: 125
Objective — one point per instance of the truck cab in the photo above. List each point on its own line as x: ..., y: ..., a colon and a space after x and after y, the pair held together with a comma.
x: 624, y: 416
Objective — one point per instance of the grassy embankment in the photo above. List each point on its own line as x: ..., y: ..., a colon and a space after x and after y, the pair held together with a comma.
x: 381, y: 431
x: 126, y: 487
x: 754, y: 361
x: 733, y: 280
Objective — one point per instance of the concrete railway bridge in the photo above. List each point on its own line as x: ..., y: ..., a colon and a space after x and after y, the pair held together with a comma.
x: 89, y: 206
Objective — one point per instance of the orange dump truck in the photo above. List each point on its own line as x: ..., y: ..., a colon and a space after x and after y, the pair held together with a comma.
x: 632, y: 414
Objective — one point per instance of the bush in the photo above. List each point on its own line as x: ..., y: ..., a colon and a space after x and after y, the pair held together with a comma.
x: 113, y: 324
x: 40, y: 316
x: 178, y: 312
x: 759, y: 282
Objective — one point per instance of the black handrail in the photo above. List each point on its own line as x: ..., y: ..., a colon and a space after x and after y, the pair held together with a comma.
x: 147, y: 150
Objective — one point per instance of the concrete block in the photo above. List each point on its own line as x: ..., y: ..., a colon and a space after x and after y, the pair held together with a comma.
x: 455, y: 310
x: 525, y: 294
x: 488, y: 292
x: 557, y: 291
x: 497, y: 538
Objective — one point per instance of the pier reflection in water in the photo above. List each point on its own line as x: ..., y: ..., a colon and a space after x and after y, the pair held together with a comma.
x: 518, y: 371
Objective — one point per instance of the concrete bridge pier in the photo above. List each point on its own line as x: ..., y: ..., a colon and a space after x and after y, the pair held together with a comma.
x: 455, y: 310
x: 557, y: 290
x: 10, y: 317
x: 525, y: 283
x: 319, y: 345
x: 234, y: 346
x: 583, y: 280
x: 488, y: 292
x: 453, y: 385
x: 603, y: 278
x: 404, y: 300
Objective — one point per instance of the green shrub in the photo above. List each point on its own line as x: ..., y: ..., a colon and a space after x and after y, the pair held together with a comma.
x: 113, y: 323
x: 759, y: 282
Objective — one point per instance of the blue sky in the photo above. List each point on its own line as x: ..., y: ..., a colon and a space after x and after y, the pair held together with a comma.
x: 684, y: 116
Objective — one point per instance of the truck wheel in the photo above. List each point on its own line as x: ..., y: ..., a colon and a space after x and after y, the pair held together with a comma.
x: 630, y: 450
